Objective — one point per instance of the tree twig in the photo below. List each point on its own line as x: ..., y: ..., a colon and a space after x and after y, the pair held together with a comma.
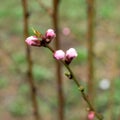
x: 80, y: 87
x: 90, y: 41
x: 29, y: 60
x: 58, y: 65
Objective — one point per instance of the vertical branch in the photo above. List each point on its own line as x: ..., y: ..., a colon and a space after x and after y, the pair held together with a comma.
x: 29, y: 60
x: 90, y: 38
x: 58, y: 66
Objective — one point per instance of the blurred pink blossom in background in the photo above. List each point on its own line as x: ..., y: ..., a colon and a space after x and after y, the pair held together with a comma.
x: 66, y: 31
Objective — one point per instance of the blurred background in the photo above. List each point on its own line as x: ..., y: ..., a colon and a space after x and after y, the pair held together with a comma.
x: 15, y: 100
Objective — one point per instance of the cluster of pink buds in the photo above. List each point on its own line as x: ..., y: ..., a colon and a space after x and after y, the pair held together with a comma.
x: 67, y: 57
x: 42, y: 40
x: 39, y: 39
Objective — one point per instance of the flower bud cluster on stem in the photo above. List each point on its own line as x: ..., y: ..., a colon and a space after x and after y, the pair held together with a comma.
x: 65, y: 58
x: 39, y: 40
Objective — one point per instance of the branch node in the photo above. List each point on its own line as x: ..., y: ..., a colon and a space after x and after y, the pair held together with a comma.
x: 81, y: 88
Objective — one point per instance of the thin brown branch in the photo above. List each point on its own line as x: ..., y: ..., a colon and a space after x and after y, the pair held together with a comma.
x: 58, y: 65
x: 90, y: 38
x: 29, y: 59
x: 80, y: 87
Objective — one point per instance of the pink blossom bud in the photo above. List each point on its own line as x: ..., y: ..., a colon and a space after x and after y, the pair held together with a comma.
x: 50, y: 34
x: 91, y: 115
x: 70, y: 54
x: 59, y: 55
x: 33, y: 41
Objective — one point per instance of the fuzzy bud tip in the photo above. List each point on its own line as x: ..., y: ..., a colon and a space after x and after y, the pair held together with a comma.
x: 70, y: 54
x: 33, y: 41
x: 59, y: 55
x: 50, y: 34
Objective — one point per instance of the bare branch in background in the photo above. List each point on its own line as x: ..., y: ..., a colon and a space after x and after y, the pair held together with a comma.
x: 30, y: 66
x: 90, y: 41
x: 58, y: 65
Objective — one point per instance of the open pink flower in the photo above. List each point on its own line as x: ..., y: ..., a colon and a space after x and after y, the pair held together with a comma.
x: 59, y: 55
x: 91, y: 115
x: 33, y: 41
x: 70, y: 54
x: 50, y: 34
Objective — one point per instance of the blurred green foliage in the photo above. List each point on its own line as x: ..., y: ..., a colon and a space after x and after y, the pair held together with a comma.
x: 3, y: 82
x: 82, y: 55
x: 19, y: 63
x: 41, y: 73
x: 19, y: 58
x: 19, y: 107
x: 24, y: 89
x: 116, y: 89
x: 73, y: 12
x: 45, y: 106
x: 107, y: 9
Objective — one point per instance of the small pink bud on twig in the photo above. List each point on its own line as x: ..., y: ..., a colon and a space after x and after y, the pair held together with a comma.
x: 50, y: 35
x: 70, y: 54
x: 91, y: 115
x: 59, y: 55
x: 33, y: 41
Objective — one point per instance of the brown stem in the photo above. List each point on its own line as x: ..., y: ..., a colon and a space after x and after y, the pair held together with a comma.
x: 29, y: 60
x: 90, y: 38
x: 80, y: 87
x: 58, y: 66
